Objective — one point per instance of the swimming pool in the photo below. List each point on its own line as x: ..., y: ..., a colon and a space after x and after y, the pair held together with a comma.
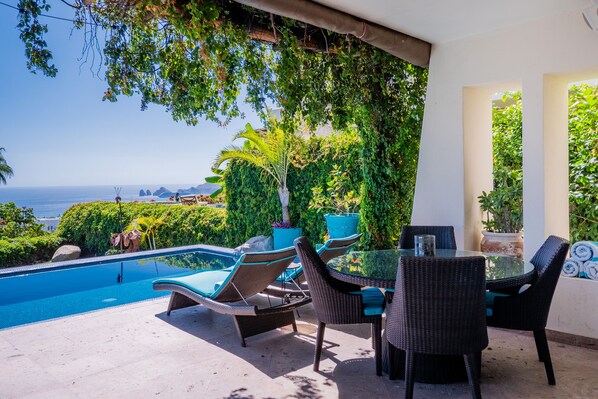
x: 37, y: 293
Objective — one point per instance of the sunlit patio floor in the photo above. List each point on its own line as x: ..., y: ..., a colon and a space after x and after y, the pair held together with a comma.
x: 136, y: 351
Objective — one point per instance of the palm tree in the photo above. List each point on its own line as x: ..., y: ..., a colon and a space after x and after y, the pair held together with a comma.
x: 218, y: 178
x: 268, y: 150
x: 5, y: 170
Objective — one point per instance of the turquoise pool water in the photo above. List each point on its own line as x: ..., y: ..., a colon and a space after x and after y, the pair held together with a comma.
x: 46, y: 294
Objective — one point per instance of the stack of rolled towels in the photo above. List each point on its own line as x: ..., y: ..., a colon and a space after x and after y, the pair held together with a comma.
x: 583, y: 261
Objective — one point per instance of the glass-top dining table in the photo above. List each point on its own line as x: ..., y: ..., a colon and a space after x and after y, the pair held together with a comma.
x: 379, y: 268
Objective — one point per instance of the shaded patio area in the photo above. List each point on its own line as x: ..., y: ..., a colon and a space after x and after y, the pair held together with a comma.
x: 136, y: 351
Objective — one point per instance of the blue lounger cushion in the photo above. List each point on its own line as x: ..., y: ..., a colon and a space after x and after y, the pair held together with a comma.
x: 203, y: 283
x: 373, y: 301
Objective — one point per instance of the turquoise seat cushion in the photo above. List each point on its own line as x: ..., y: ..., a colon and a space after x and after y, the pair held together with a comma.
x: 203, y: 283
x: 373, y: 301
x: 491, y: 296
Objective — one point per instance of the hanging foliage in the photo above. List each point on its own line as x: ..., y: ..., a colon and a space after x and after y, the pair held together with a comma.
x: 194, y: 58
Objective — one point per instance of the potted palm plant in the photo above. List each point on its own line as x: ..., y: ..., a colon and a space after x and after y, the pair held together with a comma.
x: 269, y: 150
x: 340, y: 202
x: 504, y: 214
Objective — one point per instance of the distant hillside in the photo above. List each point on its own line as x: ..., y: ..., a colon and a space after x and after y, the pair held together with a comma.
x: 205, y: 188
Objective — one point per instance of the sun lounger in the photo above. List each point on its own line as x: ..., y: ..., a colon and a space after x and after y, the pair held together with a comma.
x: 292, y: 281
x: 233, y: 291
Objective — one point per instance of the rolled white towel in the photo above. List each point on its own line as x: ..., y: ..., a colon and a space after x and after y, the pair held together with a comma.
x: 582, y: 270
x: 571, y: 268
x: 584, y: 250
x: 591, y: 269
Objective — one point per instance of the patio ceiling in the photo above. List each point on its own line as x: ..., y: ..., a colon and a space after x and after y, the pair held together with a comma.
x: 441, y: 21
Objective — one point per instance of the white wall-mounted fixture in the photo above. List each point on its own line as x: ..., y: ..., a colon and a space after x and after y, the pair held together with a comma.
x: 590, y: 15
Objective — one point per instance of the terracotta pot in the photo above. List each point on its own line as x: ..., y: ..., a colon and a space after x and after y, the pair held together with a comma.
x: 503, y: 243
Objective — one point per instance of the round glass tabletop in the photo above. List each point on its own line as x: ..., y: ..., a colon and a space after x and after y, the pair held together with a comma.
x: 379, y: 268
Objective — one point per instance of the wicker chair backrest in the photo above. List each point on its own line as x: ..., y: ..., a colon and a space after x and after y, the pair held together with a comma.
x: 548, y: 255
x: 445, y: 236
x: 337, y: 247
x: 331, y: 298
x: 439, y: 305
x: 529, y: 310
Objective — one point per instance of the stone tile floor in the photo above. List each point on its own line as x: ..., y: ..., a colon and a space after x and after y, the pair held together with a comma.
x: 136, y: 351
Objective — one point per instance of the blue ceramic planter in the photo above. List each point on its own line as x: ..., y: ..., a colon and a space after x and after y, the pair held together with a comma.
x: 284, y: 237
x: 340, y: 226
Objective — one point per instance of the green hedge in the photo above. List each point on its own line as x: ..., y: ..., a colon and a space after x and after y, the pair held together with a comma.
x: 28, y: 250
x: 90, y: 225
x: 252, y: 199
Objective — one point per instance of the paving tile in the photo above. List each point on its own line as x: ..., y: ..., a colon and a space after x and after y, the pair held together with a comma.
x: 20, y: 376
x: 57, y: 393
x: 136, y: 351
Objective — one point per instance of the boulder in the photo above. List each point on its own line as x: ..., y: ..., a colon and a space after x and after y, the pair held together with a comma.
x: 141, y: 193
x: 256, y: 244
x: 66, y: 252
x: 148, y: 192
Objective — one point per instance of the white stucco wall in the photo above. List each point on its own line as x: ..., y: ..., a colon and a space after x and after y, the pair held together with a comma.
x: 572, y: 309
x: 540, y: 58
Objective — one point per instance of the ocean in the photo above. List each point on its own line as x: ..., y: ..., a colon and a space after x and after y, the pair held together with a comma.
x: 52, y: 202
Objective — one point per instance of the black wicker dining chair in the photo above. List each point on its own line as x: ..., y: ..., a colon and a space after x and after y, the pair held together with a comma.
x: 528, y: 310
x: 338, y: 302
x: 438, y: 309
x: 445, y: 236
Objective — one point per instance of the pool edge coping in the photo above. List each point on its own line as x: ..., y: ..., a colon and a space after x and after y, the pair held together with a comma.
x: 98, y: 260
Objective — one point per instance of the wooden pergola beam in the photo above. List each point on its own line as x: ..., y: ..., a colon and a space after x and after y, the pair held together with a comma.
x: 408, y: 48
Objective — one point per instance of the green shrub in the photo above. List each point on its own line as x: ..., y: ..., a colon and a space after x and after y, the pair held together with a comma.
x: 505, y: 201
x: 27, y: 250
x: 18, y: 222
x: 90, y: 225
x: 22, y: 240
x: 583, y: 162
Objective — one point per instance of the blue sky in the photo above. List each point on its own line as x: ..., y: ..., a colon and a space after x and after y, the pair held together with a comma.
x: 59, y: 132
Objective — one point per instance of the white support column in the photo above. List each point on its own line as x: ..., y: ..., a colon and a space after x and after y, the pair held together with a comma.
x: 545, y: 161
x: 477, y: 153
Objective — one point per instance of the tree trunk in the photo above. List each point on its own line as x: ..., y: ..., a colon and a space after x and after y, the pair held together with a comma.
x: 283, y: 194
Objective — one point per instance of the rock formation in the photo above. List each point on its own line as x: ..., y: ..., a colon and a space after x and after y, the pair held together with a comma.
x: 66, y: 252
